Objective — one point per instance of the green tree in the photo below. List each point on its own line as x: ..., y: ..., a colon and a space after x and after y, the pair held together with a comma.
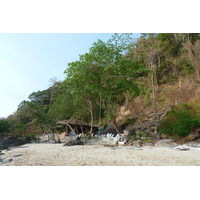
x: 105, y: 72
x: 5, y: 126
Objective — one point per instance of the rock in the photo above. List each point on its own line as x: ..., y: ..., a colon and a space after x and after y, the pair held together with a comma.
x: 6, y: 160
x: 17, y: 155
x: 197, y: 141
x: 193, y: 144
x: 138, y: 143
x: 182, y: 148
x: 165, y: 143
x: 13, y: 141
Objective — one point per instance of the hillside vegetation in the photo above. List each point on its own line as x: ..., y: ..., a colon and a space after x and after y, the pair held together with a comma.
x: 149, y: 85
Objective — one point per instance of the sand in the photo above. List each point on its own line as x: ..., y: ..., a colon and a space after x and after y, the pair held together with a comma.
x: 38, y: 154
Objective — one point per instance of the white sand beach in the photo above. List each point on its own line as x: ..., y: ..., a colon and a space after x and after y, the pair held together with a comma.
x: 38, y: 154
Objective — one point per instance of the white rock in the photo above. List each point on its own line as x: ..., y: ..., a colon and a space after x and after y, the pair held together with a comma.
x: 183, y: 148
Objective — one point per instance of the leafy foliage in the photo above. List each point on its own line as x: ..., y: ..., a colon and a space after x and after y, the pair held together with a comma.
x: 104, y: 73
x: 180, y: 121
x: 5, y: 126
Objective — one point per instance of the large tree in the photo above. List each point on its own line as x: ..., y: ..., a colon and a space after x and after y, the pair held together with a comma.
x: 105, y: 72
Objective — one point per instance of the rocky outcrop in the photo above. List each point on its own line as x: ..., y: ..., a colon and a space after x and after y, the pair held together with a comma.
x: 6, y: 160
x: 165, y: 143
x: 13, y: 141
x: 146, y: 121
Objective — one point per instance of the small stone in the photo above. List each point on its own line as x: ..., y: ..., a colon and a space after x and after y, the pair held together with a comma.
x: 7, y: 160
x: 182, y: 148
x: 17, y: 155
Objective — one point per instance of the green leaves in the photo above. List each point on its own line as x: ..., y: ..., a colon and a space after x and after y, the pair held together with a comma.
x: 180, y: 121
x: 104, y: 72
x: 103, y: 76
x: 5, y: 126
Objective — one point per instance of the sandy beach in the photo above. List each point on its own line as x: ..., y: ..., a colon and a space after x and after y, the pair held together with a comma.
x: 38, y: 154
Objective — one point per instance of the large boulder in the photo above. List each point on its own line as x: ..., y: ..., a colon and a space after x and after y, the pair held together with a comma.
x: 13, y: 141
x: 6, y: 160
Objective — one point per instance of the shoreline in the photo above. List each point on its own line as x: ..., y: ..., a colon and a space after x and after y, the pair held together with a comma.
x: 45, y: 154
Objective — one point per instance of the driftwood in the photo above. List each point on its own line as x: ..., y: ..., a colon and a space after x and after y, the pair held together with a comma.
x: 77, y: 141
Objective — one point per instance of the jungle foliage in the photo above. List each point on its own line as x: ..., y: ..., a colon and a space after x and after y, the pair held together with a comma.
x: 180, y: 121
x: 107, y: 75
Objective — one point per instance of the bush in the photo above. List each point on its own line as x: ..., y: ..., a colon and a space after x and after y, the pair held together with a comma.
x: 4, y: 127
x: 32, y: 136
x: 180, y: 121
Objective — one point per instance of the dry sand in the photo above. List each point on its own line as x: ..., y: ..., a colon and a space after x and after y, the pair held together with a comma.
x: 97, y: 155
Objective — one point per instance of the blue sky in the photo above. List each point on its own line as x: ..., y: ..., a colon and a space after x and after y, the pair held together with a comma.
x: 29, y: 60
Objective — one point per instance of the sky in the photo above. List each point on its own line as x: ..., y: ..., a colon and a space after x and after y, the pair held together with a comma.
x: 29, y: 60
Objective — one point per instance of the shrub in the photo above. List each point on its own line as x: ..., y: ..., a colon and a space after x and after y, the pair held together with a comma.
x: 180, y: 121
x: 5, y: 127
x: 32, y: 136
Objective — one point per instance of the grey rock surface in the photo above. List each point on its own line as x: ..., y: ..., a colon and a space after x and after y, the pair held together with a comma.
x: 17, y: 155
x: 6, y: 160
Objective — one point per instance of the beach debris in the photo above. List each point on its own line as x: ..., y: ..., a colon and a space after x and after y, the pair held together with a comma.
x: 110, y: 135
x: 121, y: 139
x: 121, y: 142
x: 77, y: 141
x: 182, y: 147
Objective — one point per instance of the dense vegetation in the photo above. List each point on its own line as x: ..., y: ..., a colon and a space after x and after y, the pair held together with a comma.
x: 180, y: 121
x: 111, y: 74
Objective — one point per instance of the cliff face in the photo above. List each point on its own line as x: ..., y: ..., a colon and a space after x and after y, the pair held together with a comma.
x: 138, y: 114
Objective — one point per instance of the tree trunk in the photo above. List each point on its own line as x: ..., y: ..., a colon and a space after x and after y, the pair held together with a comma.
x: 115, y: 125
x: 91, y: 114
x: 153, y: 85
x: 91, y: 124
x: 112, y: 118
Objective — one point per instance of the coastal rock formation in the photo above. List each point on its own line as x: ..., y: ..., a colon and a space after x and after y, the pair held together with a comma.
x: 13, y: 141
